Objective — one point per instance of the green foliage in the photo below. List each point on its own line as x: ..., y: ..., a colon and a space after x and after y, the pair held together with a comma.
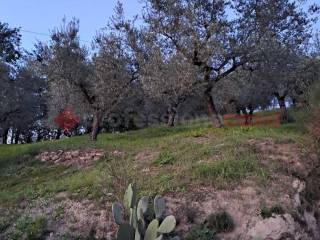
x: 200, y: 232
x: 142, y: 223
x: 24, y: 179
x: 197, y: 132
x: 266, y: 212
x: 164, y: 158
x: 235, y: 166
x: 215, y: 223
x: 220, y: 222
x: 4, y: 224
x: 29, y: 228
x: 191, y: 213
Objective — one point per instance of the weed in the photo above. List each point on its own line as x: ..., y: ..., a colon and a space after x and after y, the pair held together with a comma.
x: 119, y: 173
x: 191, y: 213
x: 266, y: 212
x: 234, y: 166
x: 164, y: 158
x: 200, y: 232
x: 220, y: 222
x: 29, y: 228
x: 197, y: 132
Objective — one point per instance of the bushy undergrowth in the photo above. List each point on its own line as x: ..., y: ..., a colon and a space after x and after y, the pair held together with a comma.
x: 314, y: 120
x: 266, y: 212
x: 185, y: 156
x: 29, y: 228
x: 220, y: 222
x: 164, y: 158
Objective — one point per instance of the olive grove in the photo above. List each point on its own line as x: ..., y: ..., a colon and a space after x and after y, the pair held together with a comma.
x: 222, y: 56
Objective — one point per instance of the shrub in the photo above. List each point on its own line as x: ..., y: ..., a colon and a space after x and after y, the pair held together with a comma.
x: 191, y: 213
x: 164, y: 158
x: 266, y: 212
x: 220, y: 222
x: 29, y: 228
x: 200, y: 232
x: 313, y: 125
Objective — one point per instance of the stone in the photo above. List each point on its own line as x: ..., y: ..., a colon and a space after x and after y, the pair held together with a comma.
x: 298, y: 185
x: 274, y: 228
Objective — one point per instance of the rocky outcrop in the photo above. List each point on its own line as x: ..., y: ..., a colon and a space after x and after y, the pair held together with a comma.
x: 71, y: 157
x: 274, y: 228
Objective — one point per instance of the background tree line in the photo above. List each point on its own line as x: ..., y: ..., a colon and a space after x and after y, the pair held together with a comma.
x: 186, y: 57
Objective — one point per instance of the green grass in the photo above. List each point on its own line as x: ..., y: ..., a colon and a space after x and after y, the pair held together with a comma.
x: 235, y: 165
x: 164, y: 158
x: 29, y: 228
x: 223, y: 158
x: 183, y: 156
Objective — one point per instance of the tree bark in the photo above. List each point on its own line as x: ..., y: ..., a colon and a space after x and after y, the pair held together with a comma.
x: 58, y: 135
x: 5, y: 136
x: 12, y: 136
x: 172, y: 111
x: 215, y: 118
x: 95, y: 124
x: 283, y: 109
x: 17, y: 136
x: 28, y: 137
x: 251, y: 109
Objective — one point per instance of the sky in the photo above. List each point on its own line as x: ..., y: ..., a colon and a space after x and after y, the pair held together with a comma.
x: 41, y: 16
x: 37, y: 17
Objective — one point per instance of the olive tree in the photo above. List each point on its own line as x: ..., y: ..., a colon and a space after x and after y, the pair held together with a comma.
x: 169, y: 80
x: 218, y: 44
x: 89, y: 87
x: 9, y: 54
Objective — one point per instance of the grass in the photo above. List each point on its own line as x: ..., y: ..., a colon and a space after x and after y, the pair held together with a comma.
x: 222, y: 158
x: 28, y: 228
x: 164, y: 158
x: 235, y: 164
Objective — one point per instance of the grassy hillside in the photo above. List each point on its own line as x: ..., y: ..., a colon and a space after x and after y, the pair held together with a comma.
x: 159, y: 159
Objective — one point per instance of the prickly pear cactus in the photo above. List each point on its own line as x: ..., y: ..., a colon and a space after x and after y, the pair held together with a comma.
x: 152, y: 230
x: 130, y: 197
x: 140, y: 227
x: 117, y: 213
x: 125, y: 232
x: 167, y: 225
x: 159, y: 207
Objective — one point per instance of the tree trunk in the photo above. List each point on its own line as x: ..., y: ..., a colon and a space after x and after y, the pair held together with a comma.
x: 246, y: 116
x: 5, y: 136
x: 39, y: 136
x: 12, y: 136
x: 215, y: 118
x: 172, y: 111
x: 283, y: 109
x: 95, y: 124
x: 58, y: 135
x: 251, y: 115
x: 28, y: 137
x: 17, y: 136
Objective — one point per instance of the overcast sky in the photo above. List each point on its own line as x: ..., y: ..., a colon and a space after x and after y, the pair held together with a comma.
x: 41, y: 16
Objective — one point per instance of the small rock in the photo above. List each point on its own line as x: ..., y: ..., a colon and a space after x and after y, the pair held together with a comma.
x: 274, y: 228
x: 62, y: 195
x: 298, y: 185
